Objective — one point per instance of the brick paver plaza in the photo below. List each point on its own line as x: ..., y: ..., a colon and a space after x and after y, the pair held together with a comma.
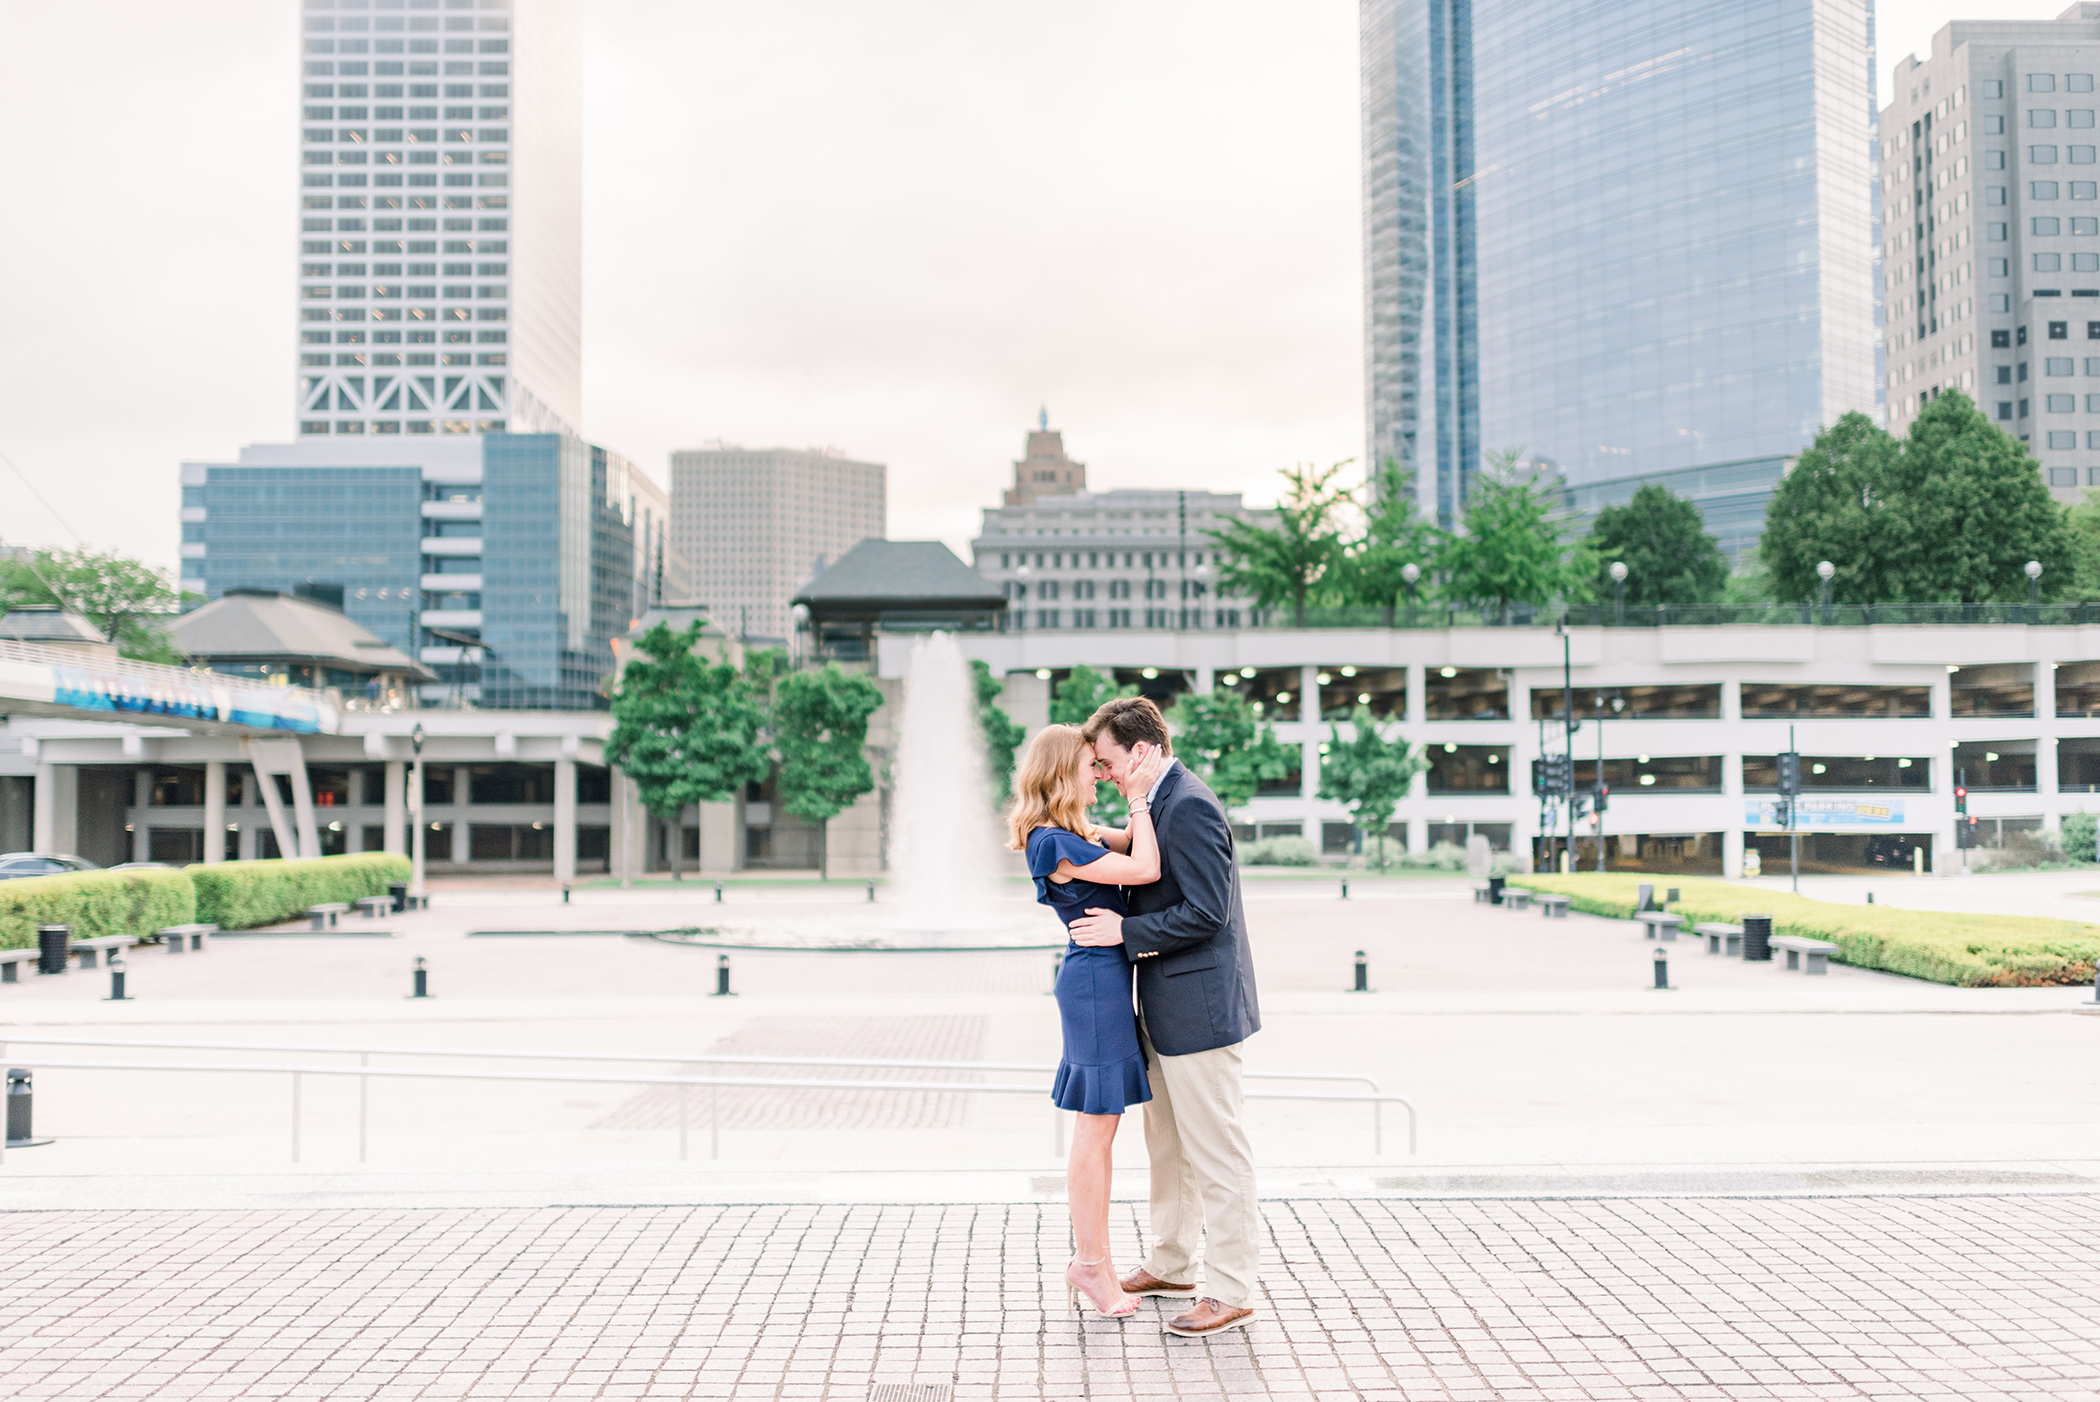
x: 1804, y: 1297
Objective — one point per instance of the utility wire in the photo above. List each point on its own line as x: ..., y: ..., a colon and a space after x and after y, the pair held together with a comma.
x: 30, y: 559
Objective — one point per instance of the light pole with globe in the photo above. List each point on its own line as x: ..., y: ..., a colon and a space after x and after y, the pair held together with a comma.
x: 2034, y: 583
x: 415, y: 846
x: 1618, y: 592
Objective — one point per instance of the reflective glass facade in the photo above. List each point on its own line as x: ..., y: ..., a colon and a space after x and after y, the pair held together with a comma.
x: 1662, y: 211
x: 509, y: 578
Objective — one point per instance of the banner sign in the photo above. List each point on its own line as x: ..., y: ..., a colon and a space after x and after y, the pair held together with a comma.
x: 1815, y: 814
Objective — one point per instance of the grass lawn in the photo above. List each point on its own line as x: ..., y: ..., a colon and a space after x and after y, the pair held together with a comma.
x: 1972, y: 951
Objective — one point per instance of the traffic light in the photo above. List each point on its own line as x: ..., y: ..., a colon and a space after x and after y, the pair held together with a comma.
x: 1790, y: 773
x: 1603, y: 797
x: 1961, y: 799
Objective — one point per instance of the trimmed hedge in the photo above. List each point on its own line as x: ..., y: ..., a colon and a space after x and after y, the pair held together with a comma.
x: 243, y: 895
x: 94, y: 903
x: 1972, y: 951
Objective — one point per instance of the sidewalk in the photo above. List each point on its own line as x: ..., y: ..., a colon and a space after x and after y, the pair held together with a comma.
x: 1714, y: 1298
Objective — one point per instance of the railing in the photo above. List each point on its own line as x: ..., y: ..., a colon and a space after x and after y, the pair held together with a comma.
x: 1438, y: 616
x: 1376, y: 1098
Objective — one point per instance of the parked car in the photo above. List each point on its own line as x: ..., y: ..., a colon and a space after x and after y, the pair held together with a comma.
x: 14, y: 864
x: 145, y: 866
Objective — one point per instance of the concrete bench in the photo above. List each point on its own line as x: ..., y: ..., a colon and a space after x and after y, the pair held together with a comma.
x: 179, y: 938
x: 375, y: 906
x: 1554, y: 907
x: 11, y: 962
x: 1721, y: 939
x: 323, y: 916
x: 89, y: 950
x: 1516, y: 898
x: 1481, y: 893
x: 1809, y: 956
x: 1660, y: 923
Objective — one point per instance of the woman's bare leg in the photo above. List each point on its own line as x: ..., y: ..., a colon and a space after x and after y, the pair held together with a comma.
x: 1087, y: 1175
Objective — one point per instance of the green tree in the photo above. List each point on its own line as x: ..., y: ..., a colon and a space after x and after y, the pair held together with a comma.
x: 1973, y: 510
x: 1951, y: 514
x: 1076, y: 698
x: 1290, y: 561
x: 1662, y: 539
x: 1225, y: 743
x: 1002, y: 734
x: 1512, y: 549
x: 2083, y: 522
x: 127, y: 599
x: 1370, y: 569
x: 686, y: 730
x: 1368, y: 774
x: 820, y: 729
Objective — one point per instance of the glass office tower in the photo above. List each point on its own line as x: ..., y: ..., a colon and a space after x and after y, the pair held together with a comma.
x: 1628, y: 240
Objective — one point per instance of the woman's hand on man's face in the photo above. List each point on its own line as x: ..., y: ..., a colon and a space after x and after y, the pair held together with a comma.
x: 1143, y: 775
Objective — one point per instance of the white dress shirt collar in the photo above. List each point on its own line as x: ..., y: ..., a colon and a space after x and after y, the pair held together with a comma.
x: 1165, y: 770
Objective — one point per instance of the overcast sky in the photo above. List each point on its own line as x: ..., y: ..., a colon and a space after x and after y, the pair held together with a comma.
x: 895, y: 229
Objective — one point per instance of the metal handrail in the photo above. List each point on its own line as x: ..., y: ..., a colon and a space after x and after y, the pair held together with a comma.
x: 696, y: 1058
x: 364, y: 1070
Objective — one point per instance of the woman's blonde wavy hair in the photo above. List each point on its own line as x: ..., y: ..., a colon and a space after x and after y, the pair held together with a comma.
x: 1049, y: 786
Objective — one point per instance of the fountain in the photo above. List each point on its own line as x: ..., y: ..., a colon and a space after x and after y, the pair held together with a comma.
x: 943, y: 838
x: 946, y: 843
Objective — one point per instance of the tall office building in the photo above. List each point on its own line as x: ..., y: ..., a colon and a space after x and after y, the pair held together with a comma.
x: 440, y: 217
x: 1993, y: 193
x: 1043, y: 469
x: 756, y: 523
x: 1629, y: 240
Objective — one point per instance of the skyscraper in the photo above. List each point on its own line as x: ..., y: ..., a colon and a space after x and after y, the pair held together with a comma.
x: 1993, y: 238
x: 756, y: 523
x: 440, y: 217
x: 1628, y: 240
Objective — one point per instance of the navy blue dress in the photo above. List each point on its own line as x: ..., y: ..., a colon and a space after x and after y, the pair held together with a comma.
x: 1103, y: 1069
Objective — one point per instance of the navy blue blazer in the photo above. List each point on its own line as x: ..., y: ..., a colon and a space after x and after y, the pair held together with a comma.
x: 1186, y: 933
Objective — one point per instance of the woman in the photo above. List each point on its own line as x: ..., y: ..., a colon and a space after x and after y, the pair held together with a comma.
x: 1102, y: 1072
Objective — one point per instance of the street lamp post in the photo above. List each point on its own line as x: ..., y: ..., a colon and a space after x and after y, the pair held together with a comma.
x: 1618, y: 592
x: 1412, y: 574
x: 1618, y: 704
x: 1824, y: 571
x: 2034, y: 583
x: 415, y: 847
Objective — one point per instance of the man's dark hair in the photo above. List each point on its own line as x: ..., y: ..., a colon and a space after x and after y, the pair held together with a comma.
x: 1128, y: 720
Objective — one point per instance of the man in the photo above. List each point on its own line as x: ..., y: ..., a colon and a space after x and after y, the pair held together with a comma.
x: 1187, y: 937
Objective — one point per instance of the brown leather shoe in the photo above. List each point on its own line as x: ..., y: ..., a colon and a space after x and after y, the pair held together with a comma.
x: 1143, y: 1282
x: 1207, y: 1318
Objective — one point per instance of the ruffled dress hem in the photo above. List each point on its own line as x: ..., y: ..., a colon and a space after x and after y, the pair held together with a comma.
x: 1101, y: 1090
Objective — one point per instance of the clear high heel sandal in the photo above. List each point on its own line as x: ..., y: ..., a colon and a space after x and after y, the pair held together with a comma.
x: 1073, y: 1290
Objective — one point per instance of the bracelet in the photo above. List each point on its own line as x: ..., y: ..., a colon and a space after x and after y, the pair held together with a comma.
x: 1135, y: 811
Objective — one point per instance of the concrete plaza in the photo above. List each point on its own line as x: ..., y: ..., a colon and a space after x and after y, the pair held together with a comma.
x: 1754, y: 1184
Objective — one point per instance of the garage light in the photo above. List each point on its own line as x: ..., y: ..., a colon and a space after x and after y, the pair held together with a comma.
x: 1990, y: 757
x: 1042, y: 674
x: 1647, y: 779
x: 1149, y: 673
x: 1247, y: 672
x: 1903, y: 764
x: 1323, y: 679
x: 1450, y: 747
x: 1447, y: 671
x: 1815, y: 769
x: 1348, y: 671
x: 1363, y: 698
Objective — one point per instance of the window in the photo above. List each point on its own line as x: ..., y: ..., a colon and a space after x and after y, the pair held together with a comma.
x: 2079, y: 117
x: 2058, y: 365
x: 2085, y: 263
x: 2041, y: 117
x: 2041, y: 155
x: 2080, y: 155
x: 2023, y: 408
x: 2058, y: 330
x: 2002, y: 340
x: 1778, y: 701
x: 2078, y: 82
x: 2005, y: 374
x: 1994, y: 232
x: 1994, y: 126
x: 2061, y: 404
x: 1994, y: 160
x: 2063, y: 476
x: 2085, y: 227
x: 2084, y: 189
x: 2005, y: 410
x: 2047, y: 226
x: 2041, y: 82
x: 2048, y: 262
x: 2062, y: 439
x: 1990, y: 87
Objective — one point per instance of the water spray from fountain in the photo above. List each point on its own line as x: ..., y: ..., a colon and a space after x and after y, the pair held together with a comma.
x: 943, y: 844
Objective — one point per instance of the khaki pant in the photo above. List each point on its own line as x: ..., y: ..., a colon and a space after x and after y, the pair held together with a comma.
x: 1202, y: 1173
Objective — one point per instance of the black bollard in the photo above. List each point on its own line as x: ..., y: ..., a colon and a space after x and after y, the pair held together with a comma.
x: 718, y: 893
x: 116, y: 981
x: 564, y: 893
x: 420, y: 979
x: 871, y: 893
x: 1363, y: 973
x: 722, y: 976
x: 1870, y: 898
x: 399, y: 891
x: 1662, y: 968
x: 1345, y: 890
x: 20, y: 1134
x: 1757, y: 939
x: 53, y: 944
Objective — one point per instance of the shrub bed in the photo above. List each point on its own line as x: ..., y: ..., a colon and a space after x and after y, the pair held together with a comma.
x: 94, y: 903
x: 1972, y: 951
x: 243, y: 895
